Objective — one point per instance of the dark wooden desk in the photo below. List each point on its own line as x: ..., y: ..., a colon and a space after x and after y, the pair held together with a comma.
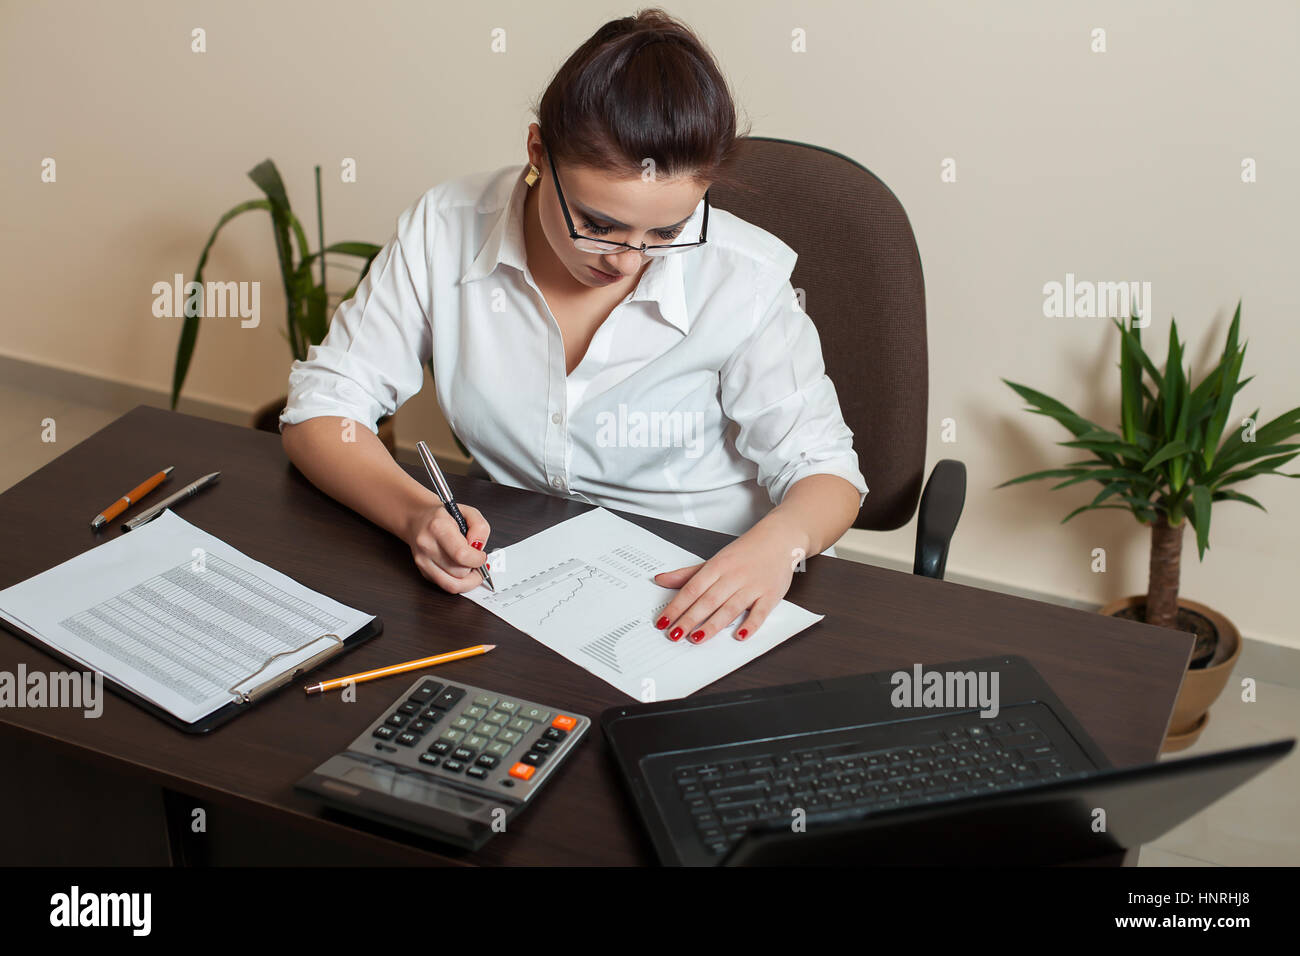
x: 93, y: 791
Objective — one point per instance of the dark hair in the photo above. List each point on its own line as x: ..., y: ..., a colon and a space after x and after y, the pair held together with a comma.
x: 642, y: 87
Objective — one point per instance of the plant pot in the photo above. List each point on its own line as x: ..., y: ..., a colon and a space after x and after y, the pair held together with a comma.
x: 267, y: 419
x: 1201, y: 685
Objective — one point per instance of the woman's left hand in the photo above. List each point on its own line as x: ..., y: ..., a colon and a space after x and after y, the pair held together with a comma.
x: 752, y: 573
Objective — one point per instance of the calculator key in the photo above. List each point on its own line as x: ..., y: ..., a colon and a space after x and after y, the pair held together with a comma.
x: 462, y: 753
x: 464, y: 723
x: 408, y: 739
x: 441, y: 747
x: 487, y: 760
x: 397, y: 720
x: 498, y: 718
x: 478, y: 773
x: 563, y: 722
x: 484, y: 729
x: 534, y: 758
x: 543, y: 746
x: 510, y: 736
x: 522, y: 771
x: 534, y: 713
x: 475, y: 711
x: 384, y: 732
x: 455, y: 766
x: 498, y: 749
x: 553, y: 734
x: 448, y: 699
x: 476, y: 741
x: 455, y: 736
x: 410, y: 708
x: 521, y: 725
x: 429, y: 759
x: 426, y: 692
x: 485, y: 700
x: 420, y: 727
x: 432, y: 716
x: 508, y: 706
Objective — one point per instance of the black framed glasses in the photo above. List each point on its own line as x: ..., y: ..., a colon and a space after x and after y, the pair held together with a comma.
x: 609, y: 246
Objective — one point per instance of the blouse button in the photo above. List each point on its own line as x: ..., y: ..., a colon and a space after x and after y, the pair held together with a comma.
x: 556, y: 417
x: 558, y: 483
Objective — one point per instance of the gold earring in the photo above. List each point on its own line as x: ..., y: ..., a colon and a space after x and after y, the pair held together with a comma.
x: 534, y: 174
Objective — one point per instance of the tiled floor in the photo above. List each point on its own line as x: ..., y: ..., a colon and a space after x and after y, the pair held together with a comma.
x: 1258, y: 824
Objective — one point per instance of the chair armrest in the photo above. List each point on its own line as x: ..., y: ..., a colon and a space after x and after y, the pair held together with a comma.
x: 940, y: 508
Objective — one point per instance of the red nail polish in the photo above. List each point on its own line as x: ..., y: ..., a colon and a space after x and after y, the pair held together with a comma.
x: 661, y: 623
x: 697, y: 636
x: 477, y: 544
x: 742, y: 633
x: 488, y: 566
x: 676, y: 635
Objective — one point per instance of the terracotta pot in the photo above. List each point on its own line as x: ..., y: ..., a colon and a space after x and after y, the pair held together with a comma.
x: 1202, y: 685
x: 267, y: 419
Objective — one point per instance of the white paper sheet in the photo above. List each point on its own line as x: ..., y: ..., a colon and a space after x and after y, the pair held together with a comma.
x: 584, y: 588
x: 178, y: 616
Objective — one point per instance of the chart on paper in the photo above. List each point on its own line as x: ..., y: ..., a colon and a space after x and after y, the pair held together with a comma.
x: 585, y: 589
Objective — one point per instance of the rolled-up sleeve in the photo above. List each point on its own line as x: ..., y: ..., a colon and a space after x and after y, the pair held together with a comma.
x: 775, y: 388
x: 372, y: 358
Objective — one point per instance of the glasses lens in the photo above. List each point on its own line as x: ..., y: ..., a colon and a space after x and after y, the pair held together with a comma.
x: 669, y: 250
x: 583, y: 244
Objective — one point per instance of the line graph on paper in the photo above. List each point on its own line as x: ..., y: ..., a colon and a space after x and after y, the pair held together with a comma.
x: 562, y: 595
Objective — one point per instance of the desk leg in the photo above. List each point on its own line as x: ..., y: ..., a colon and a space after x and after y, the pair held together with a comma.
x: 182, y: 843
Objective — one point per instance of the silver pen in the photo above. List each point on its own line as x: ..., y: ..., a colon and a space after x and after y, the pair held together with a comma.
x: 448, y: 501
x: 192, y: 488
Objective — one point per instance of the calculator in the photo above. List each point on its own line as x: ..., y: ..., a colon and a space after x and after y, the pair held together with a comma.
x: 449, y: 761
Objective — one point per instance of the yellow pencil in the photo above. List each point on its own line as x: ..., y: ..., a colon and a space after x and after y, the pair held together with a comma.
x: 400, y: 668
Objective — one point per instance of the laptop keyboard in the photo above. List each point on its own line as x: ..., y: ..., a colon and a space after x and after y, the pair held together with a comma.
x: 726, y: 799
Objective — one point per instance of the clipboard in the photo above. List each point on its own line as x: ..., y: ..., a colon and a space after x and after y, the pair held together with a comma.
x: 243, y: 702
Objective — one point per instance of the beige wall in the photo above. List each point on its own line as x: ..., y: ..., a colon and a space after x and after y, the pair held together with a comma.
x: 1120, y: 165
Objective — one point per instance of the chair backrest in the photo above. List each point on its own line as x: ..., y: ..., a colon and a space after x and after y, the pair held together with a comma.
x: 860, y: 271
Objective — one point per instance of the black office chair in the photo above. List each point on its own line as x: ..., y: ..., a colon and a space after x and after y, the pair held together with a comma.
x: 860, y: 271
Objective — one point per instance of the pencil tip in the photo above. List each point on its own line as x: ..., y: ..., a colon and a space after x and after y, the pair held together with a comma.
x: 490, y: 647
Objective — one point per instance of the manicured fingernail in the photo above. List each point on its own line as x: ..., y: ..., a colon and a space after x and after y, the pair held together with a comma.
x: 697, y: 636
x: 477, y: 544
x: 661, y: 623
x: 488, y: 566
x: 742, y: 633
x: 676, y: 635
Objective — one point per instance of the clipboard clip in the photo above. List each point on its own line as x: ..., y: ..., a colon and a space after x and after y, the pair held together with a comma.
x: 253, y: 694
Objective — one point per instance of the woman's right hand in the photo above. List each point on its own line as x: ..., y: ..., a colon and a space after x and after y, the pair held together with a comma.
x: 444, y: 555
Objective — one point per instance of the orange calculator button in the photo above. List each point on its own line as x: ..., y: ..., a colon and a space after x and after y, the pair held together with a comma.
x: 564, y: 723
x: 523, y: 771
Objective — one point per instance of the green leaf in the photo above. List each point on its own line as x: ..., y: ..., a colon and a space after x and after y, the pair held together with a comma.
x: 190, y: 327
x: 1268, y: 466
x: 1075, y: 423
x: 1101, y: 474
x: 1035, y: 476
x: 1171, y: 450
x: 1237, y: 496
x: 1200, y: 517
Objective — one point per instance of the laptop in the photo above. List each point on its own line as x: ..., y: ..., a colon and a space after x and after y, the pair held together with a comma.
x: 973, y: 762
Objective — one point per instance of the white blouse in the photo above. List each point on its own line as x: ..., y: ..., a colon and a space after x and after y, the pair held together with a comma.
x: 701, y: 400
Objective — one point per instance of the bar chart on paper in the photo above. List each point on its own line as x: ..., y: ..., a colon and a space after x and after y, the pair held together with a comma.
x: 584, y: 588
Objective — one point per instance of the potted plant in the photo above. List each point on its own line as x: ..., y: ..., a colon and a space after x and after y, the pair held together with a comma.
x: 307, y: 305
x: 1172, y: 459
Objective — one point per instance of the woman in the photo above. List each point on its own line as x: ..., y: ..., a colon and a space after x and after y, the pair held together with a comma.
x: 597, y: 332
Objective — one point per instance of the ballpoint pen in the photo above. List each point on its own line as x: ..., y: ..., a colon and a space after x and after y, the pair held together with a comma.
x: 192, y: 488
x: 448, y: 500
x: 130, y: 498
